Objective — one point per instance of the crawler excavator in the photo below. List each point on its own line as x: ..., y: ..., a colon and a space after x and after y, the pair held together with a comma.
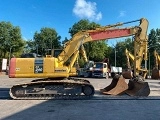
x: 53, y: 70
x: 156, y: 71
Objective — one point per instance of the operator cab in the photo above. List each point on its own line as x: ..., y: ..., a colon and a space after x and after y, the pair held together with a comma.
x: 30, y: 55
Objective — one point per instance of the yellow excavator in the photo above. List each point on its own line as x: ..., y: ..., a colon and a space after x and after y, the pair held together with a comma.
x: 53, y: 70
x: 128, y: 74
x: 156, y: 71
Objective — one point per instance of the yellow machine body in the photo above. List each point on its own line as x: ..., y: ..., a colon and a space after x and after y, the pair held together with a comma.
x: 37, y: 67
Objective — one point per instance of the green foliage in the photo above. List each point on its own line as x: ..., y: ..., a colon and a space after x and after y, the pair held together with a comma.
x: 120, y: 56
x: 154, y: 40
x: 82, y: 25
x: 96, y: 51
x: 81, y: 62
x: 65, y: 40
x: 153, y: 44
x: 10, y: 39
x: 44, y: 41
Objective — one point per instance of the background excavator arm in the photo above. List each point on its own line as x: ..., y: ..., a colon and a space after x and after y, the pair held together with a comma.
x: 129, y: 56
x: 156, y: 71
x: 157, y: 59
x: 139, y: 71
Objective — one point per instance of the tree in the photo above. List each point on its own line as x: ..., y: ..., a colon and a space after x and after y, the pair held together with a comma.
x: 10, y: 39
x: 120, y: 56
x: 65, y: 40
x: 46, y: 40
x: 153, y: 44
x: 29, y: 47
x: 82, y: 25
x: 95, y: 50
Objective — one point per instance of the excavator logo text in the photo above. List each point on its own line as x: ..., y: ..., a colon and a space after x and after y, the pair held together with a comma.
x: 38, y: 69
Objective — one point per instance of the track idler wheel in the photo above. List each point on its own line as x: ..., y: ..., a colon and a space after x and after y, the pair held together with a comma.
x: 118, y: 86
x: 137, y: 87
x: 87, y: 90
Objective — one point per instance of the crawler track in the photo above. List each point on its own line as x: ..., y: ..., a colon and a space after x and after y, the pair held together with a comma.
x: 53, y: 89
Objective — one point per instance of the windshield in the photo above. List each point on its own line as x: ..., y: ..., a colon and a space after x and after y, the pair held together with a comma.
x: 89, y: 64
x: 98, y: 65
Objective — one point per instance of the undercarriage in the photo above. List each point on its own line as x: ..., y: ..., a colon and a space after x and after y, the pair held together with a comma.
x: 53, y: 89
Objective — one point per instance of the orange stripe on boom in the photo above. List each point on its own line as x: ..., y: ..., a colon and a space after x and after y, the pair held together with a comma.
x: 109, y: 34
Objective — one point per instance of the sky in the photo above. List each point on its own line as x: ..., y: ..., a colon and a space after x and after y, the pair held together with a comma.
x: 32, y: 15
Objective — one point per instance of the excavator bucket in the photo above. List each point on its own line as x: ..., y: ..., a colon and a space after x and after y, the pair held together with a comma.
x: 136, y: 88
x: 118, y: 86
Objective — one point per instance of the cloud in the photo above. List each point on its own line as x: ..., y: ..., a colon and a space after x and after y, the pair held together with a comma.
x: 122, y: 13
x: 84, y: 9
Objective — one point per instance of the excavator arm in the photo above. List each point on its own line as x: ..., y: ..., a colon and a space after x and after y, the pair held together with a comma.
x: 109, y: 32
x: 128, y: 73
x: 157, y: 59
x: 129, y: 56
x: 139, y: 70
x: 156, y: 71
